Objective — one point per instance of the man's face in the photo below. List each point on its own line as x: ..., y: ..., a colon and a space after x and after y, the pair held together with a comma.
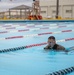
x: 51, y: 42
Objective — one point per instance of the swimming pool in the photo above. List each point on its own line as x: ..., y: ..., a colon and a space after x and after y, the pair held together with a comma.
x: 34, y: 60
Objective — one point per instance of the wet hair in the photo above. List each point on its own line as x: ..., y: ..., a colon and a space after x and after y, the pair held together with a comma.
x: 52, y: 37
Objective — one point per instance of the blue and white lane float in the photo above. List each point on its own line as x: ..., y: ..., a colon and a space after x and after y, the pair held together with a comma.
x: 63, y: 71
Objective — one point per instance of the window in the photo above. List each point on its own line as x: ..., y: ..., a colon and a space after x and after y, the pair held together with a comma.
x: 68, y: 11
x: 43, y: 11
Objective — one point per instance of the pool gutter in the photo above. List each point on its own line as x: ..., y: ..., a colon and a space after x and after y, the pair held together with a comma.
x: 36, y: 20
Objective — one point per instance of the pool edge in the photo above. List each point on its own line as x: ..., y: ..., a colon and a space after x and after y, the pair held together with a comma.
x: 36, y: 20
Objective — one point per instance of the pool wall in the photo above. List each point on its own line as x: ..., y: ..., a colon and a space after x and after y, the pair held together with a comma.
x: 36, y: 20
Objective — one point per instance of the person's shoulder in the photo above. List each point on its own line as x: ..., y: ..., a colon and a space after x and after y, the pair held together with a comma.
x: 60, y: 47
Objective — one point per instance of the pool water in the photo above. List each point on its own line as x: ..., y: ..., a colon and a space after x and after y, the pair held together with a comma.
x: 34, y: 60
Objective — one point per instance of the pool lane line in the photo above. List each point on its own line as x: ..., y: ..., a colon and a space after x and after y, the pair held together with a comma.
x: 35, y: 35
x: 26, y: 26
x: 28, y: 29
x: 63, y: 71
x: 29, y: 25
x: 3, y: 26
x: 32, y: 45
x: 8, y: 28
x: 16, y: 26
x: 34, y: 29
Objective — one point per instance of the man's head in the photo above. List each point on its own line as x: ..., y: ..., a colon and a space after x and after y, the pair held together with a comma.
x: 51, y: 41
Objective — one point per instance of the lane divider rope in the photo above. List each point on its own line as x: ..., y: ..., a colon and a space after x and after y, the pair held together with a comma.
x: 63, y: 71
x: 33, y: 35
x: 33, y: 45
x: 27, y: 25
x: 52, y: 27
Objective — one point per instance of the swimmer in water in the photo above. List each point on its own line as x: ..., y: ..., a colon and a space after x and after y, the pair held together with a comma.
x: 53, y: 45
